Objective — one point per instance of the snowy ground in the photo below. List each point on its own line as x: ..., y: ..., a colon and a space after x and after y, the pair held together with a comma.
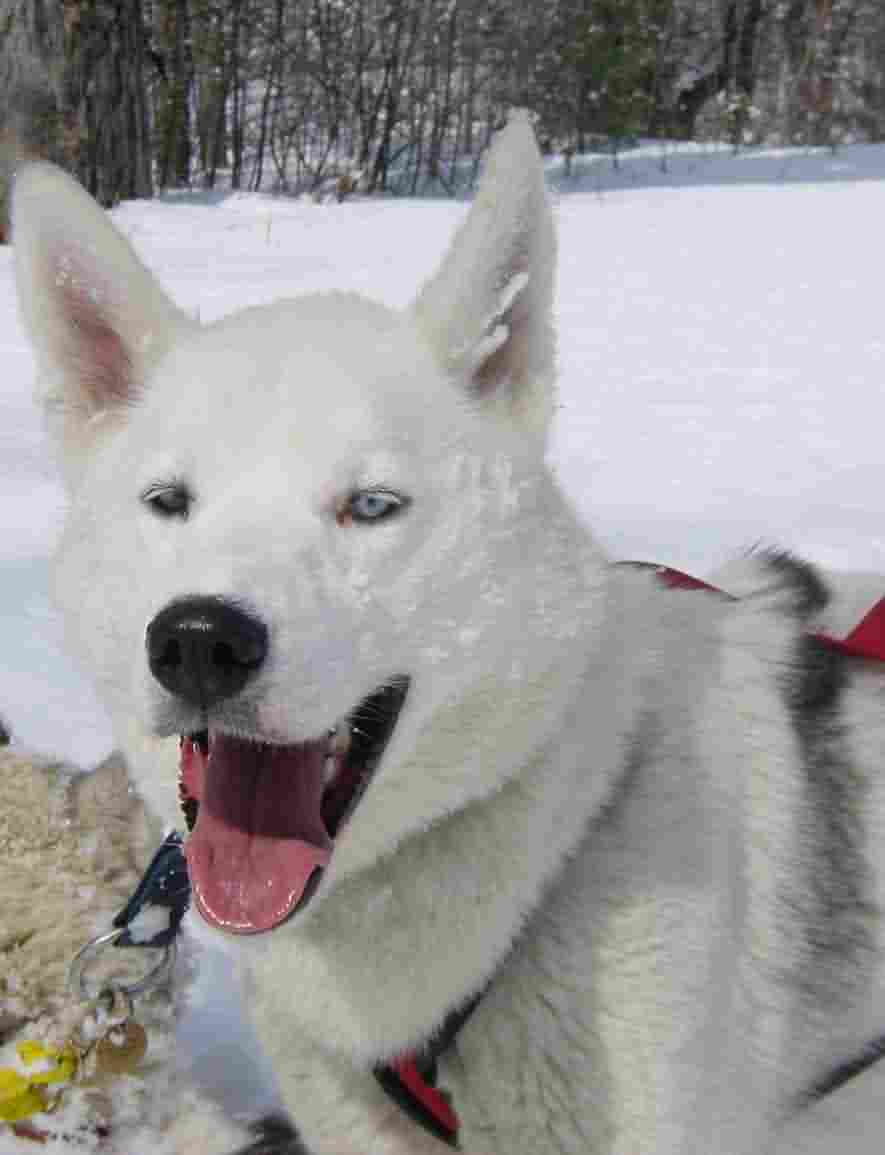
x: 722, y: 351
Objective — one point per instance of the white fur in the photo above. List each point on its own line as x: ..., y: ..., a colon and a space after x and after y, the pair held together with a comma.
x: 593, y: 795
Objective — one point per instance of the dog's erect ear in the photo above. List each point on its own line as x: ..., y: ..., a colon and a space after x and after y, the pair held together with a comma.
x: 487, y: 311
x: 97, y: 318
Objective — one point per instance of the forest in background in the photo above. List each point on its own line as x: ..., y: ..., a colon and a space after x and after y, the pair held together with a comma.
x: 400, y: 96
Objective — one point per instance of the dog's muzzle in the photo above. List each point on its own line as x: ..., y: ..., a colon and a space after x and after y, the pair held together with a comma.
x: 263, y: 813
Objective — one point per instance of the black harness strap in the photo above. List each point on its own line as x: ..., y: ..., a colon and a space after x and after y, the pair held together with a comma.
x: 845, y: 1072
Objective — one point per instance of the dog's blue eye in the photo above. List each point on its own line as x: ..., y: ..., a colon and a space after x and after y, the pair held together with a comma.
x: 374, y: 504
x: 168, y: 500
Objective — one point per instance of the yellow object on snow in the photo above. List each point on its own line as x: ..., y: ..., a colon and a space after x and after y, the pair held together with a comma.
x: 20, y: 1093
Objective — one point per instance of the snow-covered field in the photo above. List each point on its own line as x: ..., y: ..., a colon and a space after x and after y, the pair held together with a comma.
x: 722, y: 352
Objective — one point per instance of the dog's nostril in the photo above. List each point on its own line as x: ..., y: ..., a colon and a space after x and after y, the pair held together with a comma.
x: 204, y: 650
x: 223, y: 655
x: 171, y: 655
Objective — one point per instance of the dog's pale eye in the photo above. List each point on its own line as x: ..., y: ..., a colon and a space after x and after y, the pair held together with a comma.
x: 168, y: 500
x: 371, y: 505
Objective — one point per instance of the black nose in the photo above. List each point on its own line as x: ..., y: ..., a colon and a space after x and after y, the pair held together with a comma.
x: 204, y: 650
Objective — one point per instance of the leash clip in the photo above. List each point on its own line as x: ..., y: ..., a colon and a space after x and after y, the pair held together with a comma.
x: 143, y: 921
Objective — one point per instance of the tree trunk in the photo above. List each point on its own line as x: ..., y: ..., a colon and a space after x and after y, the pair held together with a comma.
x: 175, y: 67
x: 108, y: 139
x: 32, y: 110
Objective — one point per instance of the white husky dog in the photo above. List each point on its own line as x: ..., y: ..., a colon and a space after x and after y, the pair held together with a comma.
x: 443, y: 757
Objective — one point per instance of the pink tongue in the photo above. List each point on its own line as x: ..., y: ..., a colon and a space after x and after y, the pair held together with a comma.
x: 259, y: 836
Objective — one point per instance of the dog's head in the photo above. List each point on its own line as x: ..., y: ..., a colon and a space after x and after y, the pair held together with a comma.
x: 307, y: 538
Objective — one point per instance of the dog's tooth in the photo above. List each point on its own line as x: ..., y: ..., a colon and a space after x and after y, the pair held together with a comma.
x: 330, y: 768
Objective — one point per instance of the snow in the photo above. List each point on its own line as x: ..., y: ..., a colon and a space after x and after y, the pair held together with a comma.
x: 722, y: 360
x: 149, y: 923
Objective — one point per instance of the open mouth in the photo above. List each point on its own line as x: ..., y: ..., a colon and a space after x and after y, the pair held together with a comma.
x: 263, y: 818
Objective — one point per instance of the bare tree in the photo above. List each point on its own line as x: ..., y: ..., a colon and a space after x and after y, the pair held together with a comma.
x: 106, y: 98
x: 173, y: 61
x: 401, y: 95
x: 31, y: 83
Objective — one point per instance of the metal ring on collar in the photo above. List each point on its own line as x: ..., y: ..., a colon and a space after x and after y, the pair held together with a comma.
x: 85, y: 955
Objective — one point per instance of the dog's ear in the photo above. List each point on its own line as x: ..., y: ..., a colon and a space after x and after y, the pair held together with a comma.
x: 488, y: 310
x: 96, y: 316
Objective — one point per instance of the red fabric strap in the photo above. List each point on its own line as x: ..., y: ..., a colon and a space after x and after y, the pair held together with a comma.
x: 866, y: 640
x: 430, y: 1099
x: 675, y: 579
